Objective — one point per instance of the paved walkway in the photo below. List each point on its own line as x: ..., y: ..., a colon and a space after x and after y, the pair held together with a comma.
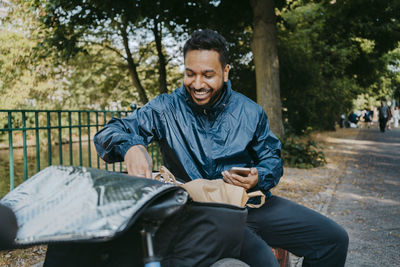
x: 367, y: 199
x: 359, y: 189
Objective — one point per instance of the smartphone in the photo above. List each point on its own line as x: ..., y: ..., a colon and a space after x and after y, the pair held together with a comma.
x: 240, y: 171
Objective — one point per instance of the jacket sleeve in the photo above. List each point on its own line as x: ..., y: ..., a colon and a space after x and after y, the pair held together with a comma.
x: 119, y: 134
x: 265, y: 149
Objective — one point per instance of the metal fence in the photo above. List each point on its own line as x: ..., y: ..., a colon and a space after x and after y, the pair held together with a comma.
x: 55, y: 134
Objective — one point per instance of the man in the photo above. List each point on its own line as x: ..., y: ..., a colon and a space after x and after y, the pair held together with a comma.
x: 384, y: 115
x: 204, y: 128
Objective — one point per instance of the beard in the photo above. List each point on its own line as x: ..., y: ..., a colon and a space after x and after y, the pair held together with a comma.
x: 213, y: 98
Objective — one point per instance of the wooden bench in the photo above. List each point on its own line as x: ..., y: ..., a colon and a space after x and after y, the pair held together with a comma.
x: 282, y: 256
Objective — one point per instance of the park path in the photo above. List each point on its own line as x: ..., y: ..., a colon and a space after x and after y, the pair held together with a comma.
x: 366, y: 200
x: 359, y: 188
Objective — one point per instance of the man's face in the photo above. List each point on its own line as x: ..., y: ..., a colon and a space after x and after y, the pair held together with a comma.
x: 204, y: 75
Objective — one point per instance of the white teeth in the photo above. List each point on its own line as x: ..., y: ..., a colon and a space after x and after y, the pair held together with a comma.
x: 201, y: 93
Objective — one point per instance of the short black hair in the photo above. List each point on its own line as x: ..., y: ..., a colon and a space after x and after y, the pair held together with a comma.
x: 208, y: 40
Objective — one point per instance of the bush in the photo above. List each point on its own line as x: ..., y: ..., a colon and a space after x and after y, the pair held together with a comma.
x: 302, y: 154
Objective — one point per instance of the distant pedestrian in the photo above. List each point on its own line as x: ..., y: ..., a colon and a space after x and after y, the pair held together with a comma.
x: 342, y: 121
x: 396, y: 117
x: 353, y: 119
x: 368, y: 114
x: 384, y: 114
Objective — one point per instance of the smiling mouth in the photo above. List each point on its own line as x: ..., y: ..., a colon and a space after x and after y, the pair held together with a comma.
x: 200, y: 93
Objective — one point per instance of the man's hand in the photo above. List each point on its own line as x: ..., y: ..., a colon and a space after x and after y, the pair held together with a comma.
x: 246, y: 182
x: 138, y: 162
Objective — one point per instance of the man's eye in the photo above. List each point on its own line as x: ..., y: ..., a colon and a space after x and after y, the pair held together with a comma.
x: 189, y: 74
x: 208, y: 76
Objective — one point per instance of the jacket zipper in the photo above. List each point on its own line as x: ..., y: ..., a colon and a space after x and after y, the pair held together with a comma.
x: 210, y: 170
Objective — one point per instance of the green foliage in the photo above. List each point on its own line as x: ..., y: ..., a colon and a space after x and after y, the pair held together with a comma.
x: 313, y: 86
x: 365, y: 101
x: 70, y: 54
x: 14, y: 70
x: 298, y: 153
x: 365, y: 24
x: 389, y: 83
x: 328, y: 60
x: 89, y: 73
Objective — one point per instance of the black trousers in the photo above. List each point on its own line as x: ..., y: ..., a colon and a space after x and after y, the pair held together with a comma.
x: 382, y: 124
x: 305, y: 233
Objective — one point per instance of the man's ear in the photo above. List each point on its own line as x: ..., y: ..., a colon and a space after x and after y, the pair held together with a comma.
x: 226, y: 72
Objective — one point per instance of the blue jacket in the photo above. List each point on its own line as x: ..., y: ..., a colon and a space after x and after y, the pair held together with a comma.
x: 199, y: 143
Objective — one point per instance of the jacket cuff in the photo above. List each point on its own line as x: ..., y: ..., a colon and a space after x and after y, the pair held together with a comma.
x: 126, y: 146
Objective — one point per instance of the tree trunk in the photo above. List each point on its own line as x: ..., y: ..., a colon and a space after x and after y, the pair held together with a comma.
x: 162, y: 73
x: 265, y: 52
x: 132, y: 67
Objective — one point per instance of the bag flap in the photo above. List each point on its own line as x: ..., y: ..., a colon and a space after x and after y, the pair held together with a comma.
x: 66, y: 203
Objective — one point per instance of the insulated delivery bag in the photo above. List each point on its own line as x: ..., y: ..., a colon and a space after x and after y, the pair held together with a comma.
x: 92, y: 217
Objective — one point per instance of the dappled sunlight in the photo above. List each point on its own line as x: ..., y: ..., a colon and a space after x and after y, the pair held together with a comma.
x: 386, y: 164
x: 396, y: 183
x: 383, y: 155
x: 360, y: 142
x: 346, y: 152
x: 352, y: 196
x: 336, y: 61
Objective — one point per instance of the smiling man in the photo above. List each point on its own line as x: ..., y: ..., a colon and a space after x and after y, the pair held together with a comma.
x: 205, y: 128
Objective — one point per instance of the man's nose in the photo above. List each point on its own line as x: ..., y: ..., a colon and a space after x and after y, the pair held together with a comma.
x: 198, y: 83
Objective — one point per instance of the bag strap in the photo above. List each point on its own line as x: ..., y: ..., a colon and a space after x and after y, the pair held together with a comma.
x: 165, y: 176
x: 256, y: 194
